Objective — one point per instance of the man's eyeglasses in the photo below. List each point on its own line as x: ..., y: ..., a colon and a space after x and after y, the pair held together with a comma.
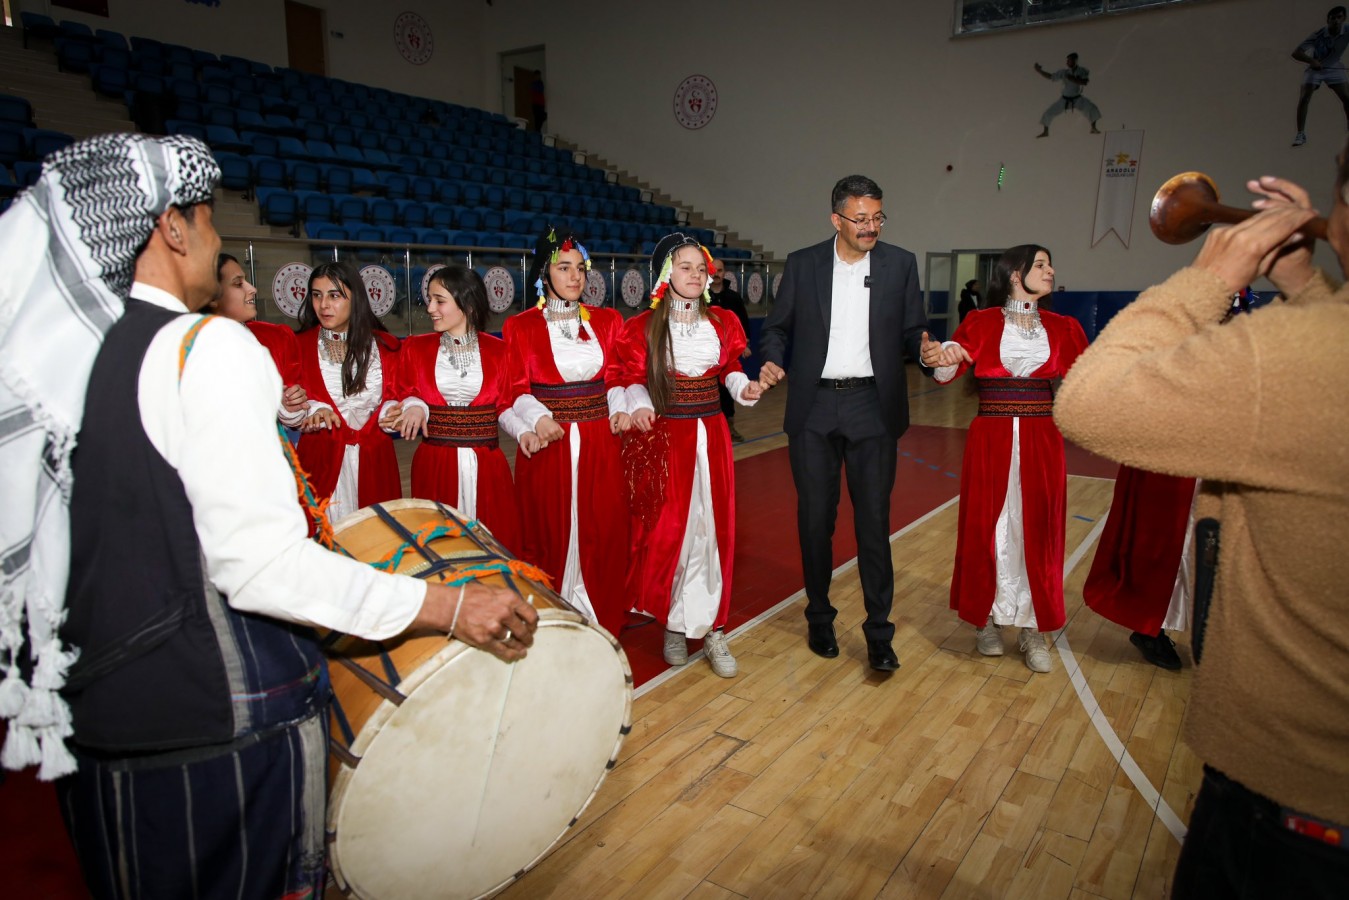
x: 878, y: 220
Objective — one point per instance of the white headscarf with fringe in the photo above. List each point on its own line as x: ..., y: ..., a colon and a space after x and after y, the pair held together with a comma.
x: 69, y: 246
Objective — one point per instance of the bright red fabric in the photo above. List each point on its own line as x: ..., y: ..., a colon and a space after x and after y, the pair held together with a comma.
x: 435, y: 468
x: 543, y: 487
x: 656, y: 543
x: 983, y: 478
x: 280, y: 342
x: 321, y: 452
x: 1134, y: 573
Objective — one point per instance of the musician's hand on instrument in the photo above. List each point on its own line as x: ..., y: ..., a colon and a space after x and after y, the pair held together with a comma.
x: 320, y: 419
x: 620, y: 422
x: 413, y: 422
x: 1292, y: 268
x: 293, y: 398
x: 530, y: 443
x: 643, y: 419
x: 389, y: 421
x: 548, y: 430
x: 1240, y: 253
x: 496, y: 620
x: 770, y: 374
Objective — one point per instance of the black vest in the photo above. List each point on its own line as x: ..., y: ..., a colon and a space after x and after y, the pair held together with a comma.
x: 164, y: 662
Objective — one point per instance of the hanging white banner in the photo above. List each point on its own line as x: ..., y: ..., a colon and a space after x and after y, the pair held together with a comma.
x: 1119, y: 184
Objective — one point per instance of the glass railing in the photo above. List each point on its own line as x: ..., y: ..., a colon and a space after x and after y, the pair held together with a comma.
x: 396, y: 276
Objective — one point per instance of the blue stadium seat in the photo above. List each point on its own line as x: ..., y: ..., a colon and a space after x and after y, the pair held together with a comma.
x: 363, y: 181
x: 262, y: 144
x: 36, y: 25
x: 268, y: 171
x: 16, y: 111
x: 192, y: 129
x: 278, y: 207
x: 351, y: 210
x: 41, y: 142
x: 337, y: 179
x: 317, y: 208
x: 76, y: 30
x: 383, y: 211
x: 222, y: 137
x: 412, y: 214
x: 235, y: 172
x: 304, y: 175
x: 396, y: 184
x: 73, y: 56
x: 442, y: 217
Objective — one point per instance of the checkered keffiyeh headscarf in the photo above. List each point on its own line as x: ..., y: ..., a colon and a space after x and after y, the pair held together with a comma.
x: 68, y: 247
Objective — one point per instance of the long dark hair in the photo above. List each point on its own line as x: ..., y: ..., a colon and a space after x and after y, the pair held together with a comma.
x: 468, y: 291
x: 1014, y: 261
x: 660, y: 373
x: 360, y: 329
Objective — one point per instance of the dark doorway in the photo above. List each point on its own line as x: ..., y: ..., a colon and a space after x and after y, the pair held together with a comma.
x: 305, y: 38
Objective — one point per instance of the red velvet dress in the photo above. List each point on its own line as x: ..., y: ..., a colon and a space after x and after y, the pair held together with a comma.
x: 1133, y: 576
x: 984, y: 478
x: 436, y: 473
x: 321, y: 452
x: 659, y: 563
x: 543, y: 482
x: 281, y: 344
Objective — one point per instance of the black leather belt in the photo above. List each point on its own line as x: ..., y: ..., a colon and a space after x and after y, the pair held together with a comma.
x: 847, y: 384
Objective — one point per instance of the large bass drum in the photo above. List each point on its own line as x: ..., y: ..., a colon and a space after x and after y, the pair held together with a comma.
x: 452, y: 772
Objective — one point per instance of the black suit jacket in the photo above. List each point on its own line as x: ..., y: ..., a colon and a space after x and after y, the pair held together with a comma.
x: 801, y: 314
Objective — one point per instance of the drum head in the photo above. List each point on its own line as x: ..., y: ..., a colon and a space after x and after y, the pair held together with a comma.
x: 485, y: 765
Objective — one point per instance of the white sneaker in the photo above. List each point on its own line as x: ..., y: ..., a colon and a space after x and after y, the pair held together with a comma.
x: 988, y: 640
x: 719, y: 655
x: 1032, y: 644
x: 676, y: 651
x: 1299, y: 139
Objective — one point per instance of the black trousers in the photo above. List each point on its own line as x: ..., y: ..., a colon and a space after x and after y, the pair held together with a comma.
x: 1237, y: 847
x: 844, y: 432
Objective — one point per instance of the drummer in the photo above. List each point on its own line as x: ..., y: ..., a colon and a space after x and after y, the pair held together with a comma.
x: 199, y: 696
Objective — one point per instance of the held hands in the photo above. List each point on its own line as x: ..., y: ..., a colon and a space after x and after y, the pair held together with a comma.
x: 935, y: 355
x: 620, y: 422
x: 548, y: 430
x: 770, y: 374
x: 293, y: 398
x: 530, y: 443
x: 643, y: 419
x: 320, y: 419
x: 412, y: 422
x: 752, y: 391
x: 489, y: 618
x: 389, y: 421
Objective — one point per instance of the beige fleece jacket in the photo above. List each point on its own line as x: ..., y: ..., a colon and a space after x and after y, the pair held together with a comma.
x: 1259, y: 409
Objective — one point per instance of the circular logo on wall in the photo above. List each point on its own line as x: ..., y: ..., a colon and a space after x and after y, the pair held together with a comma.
x: 695, y: 101
x: 379, y: 287
x: 290, y: 286
x: 754, y: 287
x: 595, y: 288
x: 500, y: 288
x: 632, y: 288
x: 426, y: 281
x: 412, y: 37
x: 732, y: 281
x: 777, y: 281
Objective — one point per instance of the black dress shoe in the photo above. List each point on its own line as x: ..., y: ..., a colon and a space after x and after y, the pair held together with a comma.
x: 1159, y: 650
x: 882, y: 656
x: 821, y: 640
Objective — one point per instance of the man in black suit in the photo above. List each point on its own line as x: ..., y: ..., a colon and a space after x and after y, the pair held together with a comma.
x: 850, y: 308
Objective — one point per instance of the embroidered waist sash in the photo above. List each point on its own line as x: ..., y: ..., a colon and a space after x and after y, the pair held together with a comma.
x: 1015, y: 397
x: 577, y: 401
x: 694, y: 398
x: 462, y: 426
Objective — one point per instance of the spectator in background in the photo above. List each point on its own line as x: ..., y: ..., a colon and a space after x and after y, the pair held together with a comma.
x: 726, y: 297
x: 537, y: 102
x: 969, y: 298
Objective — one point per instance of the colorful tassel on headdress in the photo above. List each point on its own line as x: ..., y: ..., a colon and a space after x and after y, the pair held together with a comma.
x: 662, y: 282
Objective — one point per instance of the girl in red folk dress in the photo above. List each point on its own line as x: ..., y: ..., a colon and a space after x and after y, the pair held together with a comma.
x: 683, y: 539
x: 238, y: 300
x: 349, y: 369
x: 455, y: 390
x: 1009, y: 552
x: 567, y: 388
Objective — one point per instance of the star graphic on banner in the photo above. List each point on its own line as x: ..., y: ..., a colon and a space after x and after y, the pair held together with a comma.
x: 1121, y: 159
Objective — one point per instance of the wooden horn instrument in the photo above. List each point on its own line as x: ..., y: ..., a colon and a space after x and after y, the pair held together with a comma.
x: 1187, y: 205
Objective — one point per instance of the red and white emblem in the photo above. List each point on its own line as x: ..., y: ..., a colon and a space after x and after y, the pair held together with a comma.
x: 500, y: 288
x: 380, y: 288
x: 632, y: 288
x: 426, y: 282
x: 290, y: 288
x: 695, y: 101
x: 754, y: 287
x: 595, y: 288
x: 412, y: 37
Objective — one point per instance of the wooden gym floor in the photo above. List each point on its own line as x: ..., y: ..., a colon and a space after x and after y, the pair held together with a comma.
x: 958, y: 776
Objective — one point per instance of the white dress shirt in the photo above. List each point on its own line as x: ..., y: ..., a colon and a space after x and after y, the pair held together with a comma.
x: 849, y: 353
x: 217, y: 428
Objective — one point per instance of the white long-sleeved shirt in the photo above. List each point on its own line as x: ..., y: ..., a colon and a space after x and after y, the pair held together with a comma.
x: 217, y: 428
